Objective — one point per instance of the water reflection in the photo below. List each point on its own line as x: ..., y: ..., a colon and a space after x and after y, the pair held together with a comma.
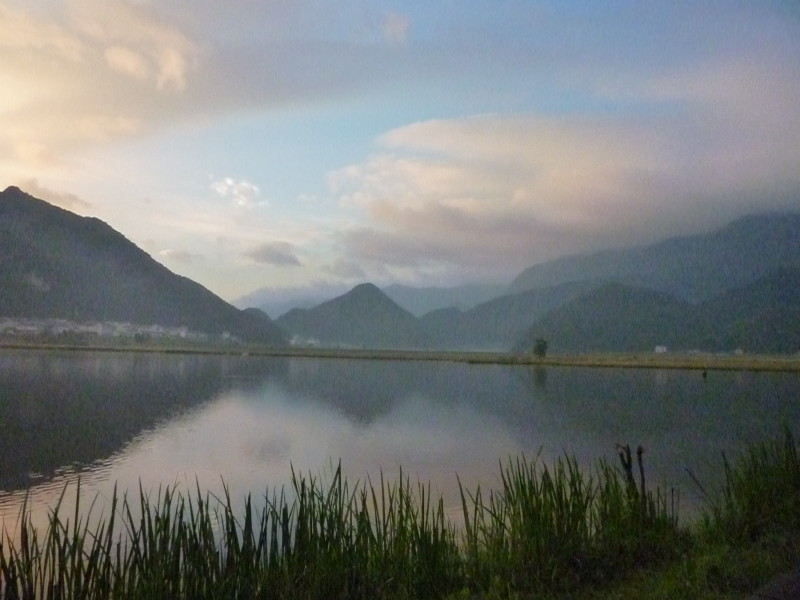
x: 67, y: 410
x: 150, y: 420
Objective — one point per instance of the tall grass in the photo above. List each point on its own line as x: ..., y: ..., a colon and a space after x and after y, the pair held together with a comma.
x: 557, y: 529
x: 544, y: 530
x: 761, y: 492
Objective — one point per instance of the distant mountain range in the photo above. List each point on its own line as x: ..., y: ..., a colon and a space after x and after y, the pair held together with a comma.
x: 416, y: 300
x: 56, y: 264
x: 496, y: 324
x: 763, y: 316
x: 367, y: 317
x: 693, y: 267
x: 738, y: 287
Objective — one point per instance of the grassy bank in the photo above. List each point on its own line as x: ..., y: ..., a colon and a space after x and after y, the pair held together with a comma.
x: 643, y: 360
x: 547, y: 532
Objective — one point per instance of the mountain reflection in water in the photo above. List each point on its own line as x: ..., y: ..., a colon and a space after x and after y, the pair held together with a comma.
x: 155, y: 420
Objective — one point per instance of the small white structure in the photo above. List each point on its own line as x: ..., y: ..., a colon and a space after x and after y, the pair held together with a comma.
x: 660, y: 349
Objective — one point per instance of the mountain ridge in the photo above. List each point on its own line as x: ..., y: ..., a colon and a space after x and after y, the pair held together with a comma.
x: 762, y: 316
x: 736, y: 255
x: 597, y: 311
x: 693, y: 267
x: 56, y: 264
x: 738, y: 286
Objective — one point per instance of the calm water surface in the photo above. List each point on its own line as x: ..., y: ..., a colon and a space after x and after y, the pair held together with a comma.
x: 111, y: 419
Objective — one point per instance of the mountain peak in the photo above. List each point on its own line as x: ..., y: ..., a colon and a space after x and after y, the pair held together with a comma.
x: 364, y: 316
x: 14, y: 196
x: 366, y: 288
x: 55, y: 264
x: 366, y: 291
x: 365, y: 299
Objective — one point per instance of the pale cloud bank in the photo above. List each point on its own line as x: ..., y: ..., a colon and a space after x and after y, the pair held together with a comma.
x: 496, y: 193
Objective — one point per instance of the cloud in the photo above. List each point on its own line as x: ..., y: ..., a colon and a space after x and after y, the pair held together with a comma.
x: 127, y: 61
x: 497, y: 193
x: 395, y: 28
x: 63, y: 199
x: 578, y: 130
x: 279, y: 254
x: 243, y: 193
x: 87, y: 72
x: 482, y: 191
x: 344, y: 269
x: 137, y: 38
x: 23, y: 31
x: 179, y: 256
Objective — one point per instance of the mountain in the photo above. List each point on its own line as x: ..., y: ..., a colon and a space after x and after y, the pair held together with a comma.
x: 367, y: 317
x: 442, y: 327
x: 500, y: 320
x: 420, y: 301
x: 762, y: 316
x: 497, y: 324
x: 613, y: 317
x: 689, y: 270
x: 363, y: 317
x: 692, y: 267
x: 416, y: 300
x: 56, y: 264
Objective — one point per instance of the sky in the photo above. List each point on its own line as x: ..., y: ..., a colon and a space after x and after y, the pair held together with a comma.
x: 299, y: 145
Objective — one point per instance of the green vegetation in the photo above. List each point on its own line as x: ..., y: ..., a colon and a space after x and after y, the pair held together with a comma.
x: 546, y: 532
x: 760, y: 317
x: 749, y: 533
x: 614, y: 360
x: 540, y: 348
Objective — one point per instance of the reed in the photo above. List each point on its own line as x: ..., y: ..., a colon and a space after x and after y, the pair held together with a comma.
x: 748, y: 534
x: 545, y: 530
x: 761, y: 492
x: 549, y: 530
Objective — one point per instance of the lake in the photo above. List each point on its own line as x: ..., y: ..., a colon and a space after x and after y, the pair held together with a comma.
x: 153, y: 420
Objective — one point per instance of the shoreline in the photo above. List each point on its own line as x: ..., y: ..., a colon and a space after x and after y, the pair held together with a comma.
x: 617, y: 360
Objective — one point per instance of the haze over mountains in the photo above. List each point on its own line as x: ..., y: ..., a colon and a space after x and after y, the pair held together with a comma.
x: 692, y: 267
x: 735, y: 288
x: 762, y: 316
x: 416, y: 300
